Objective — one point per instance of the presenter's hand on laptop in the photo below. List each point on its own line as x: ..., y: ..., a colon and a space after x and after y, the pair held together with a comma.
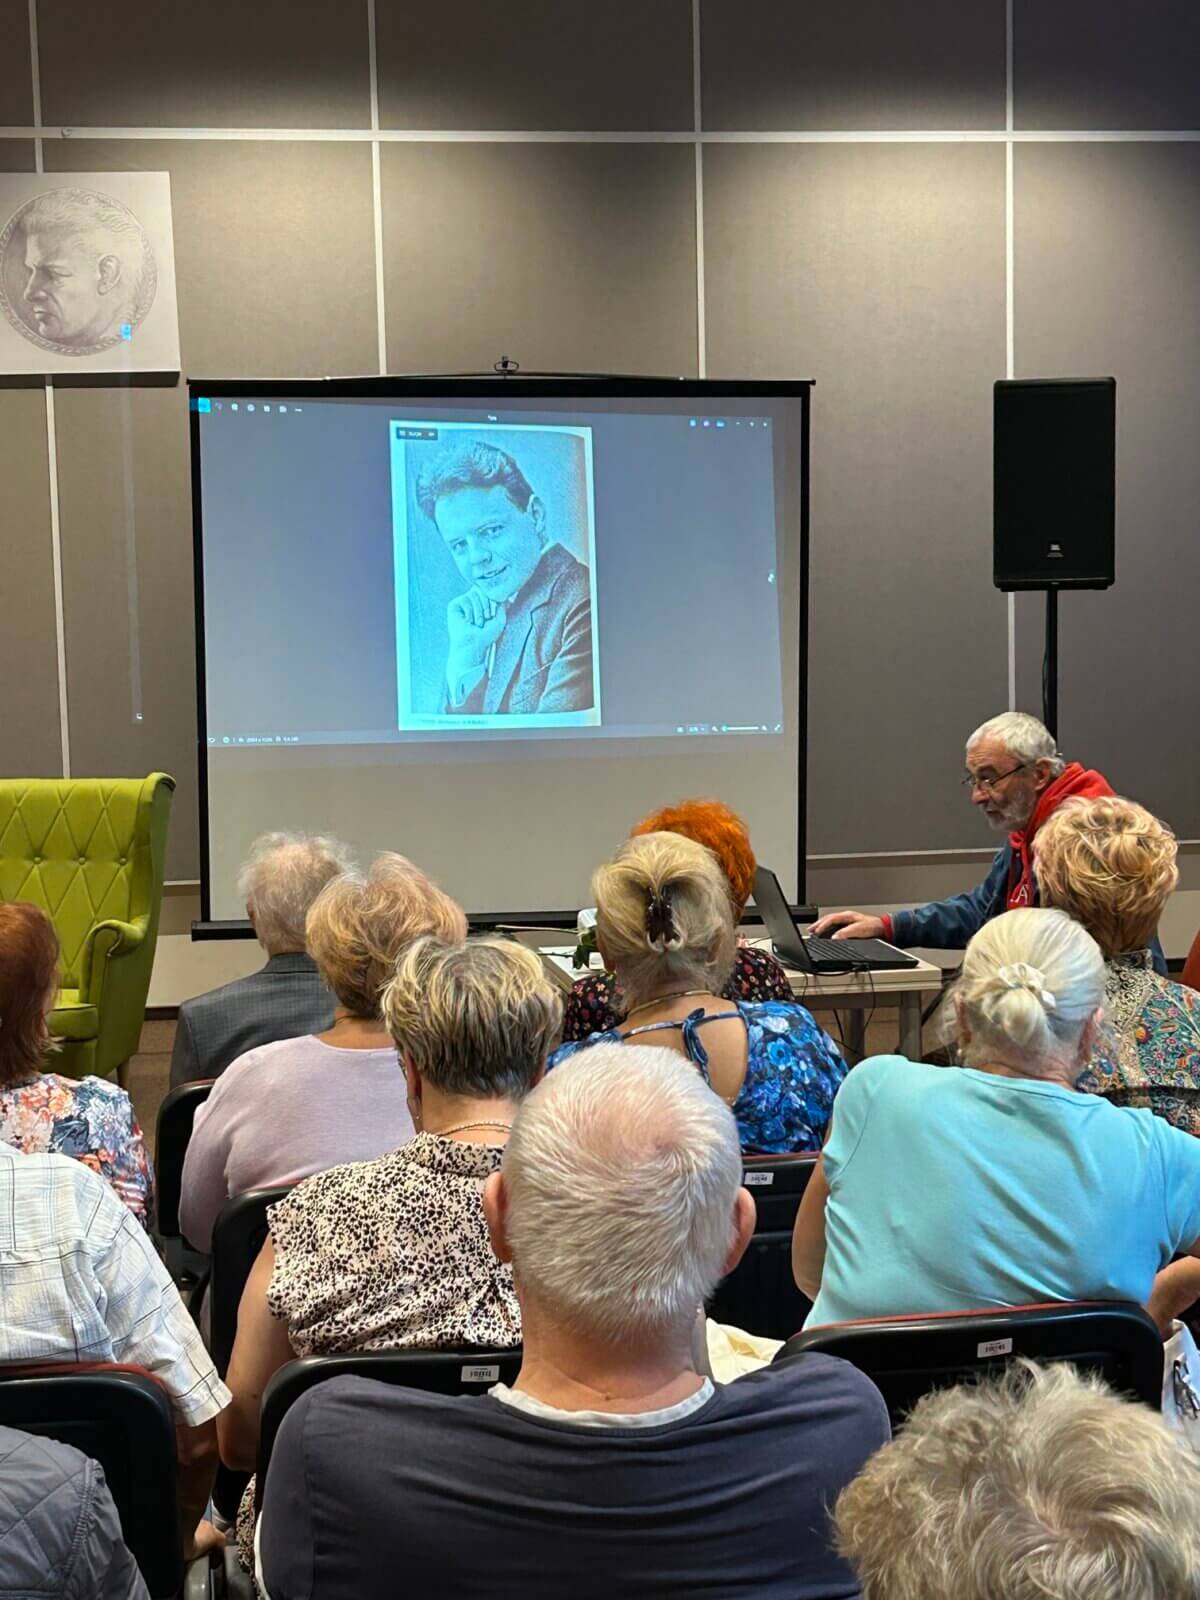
x: 847, y: 925
x: 473, y: 623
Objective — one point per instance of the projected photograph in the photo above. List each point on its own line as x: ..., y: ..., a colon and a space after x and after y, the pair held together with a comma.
x: 87, y: 273
x: 494, y: 536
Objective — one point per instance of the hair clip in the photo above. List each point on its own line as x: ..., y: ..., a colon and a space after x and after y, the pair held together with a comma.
x: 660, y: 919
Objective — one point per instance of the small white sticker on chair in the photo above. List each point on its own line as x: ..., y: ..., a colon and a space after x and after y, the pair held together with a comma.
x: 757, y: 1180
x: 480, y: 1373
x: 993, y: 1347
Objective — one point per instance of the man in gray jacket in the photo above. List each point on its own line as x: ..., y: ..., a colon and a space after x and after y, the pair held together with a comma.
x: 60, y: 1536
x: 282, y: 876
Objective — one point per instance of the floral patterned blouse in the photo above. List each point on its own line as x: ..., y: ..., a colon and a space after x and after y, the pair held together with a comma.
x: 596, y: 1004
x: 793, y: 1071
x: 87, y: 1118
x: 1156, y: 1062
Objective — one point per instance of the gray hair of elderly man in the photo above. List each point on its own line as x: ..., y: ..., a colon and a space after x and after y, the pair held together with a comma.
x: 1024, y: 736
x: 621, y: 1177
x: 1040, y: 1483
x: 282, y: 875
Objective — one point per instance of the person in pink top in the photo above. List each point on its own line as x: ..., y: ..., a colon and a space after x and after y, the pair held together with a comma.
x: 289, y: 1109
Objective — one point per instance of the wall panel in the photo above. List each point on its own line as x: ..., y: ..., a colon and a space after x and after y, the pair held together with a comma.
x: 29, y: 730
x: 878, y: 270
x: 1129, y: 656
x: 569, y: 257
x: 622, y: 65
x: 16, y: 80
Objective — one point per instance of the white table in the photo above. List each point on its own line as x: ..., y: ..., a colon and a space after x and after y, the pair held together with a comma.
x: 905, y: 989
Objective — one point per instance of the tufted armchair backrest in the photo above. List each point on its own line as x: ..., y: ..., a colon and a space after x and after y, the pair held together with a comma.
x: 82, y: 849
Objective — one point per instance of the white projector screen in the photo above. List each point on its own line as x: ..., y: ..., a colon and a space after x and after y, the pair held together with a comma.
x: 492, y: 624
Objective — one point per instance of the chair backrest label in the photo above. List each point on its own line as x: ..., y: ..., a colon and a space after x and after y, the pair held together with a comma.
x: 994, y: 1347
x: 757, y: 1180
x: 481, y: 1372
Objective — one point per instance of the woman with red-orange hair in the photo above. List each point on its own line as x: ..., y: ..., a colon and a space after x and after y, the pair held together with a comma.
x: 90, y: 1119
x: 596, y: 1003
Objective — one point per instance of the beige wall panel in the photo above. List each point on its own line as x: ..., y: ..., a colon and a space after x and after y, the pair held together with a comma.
x: 274, y: 250
x: 29, y: 728
x: 878, y: 270
x: 226, y: 63
x: 1106, y: 64
x: 563, y: 256
x: 774, y: 64
x: 1095, y: 298
x: 622, y: 65
x: 16, y: 78
x: 125, y: 507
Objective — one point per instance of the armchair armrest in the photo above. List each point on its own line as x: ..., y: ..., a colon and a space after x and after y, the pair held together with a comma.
x: 111, y: 938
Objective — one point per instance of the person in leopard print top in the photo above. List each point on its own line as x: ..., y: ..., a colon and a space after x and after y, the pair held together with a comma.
x: 393, y: 1253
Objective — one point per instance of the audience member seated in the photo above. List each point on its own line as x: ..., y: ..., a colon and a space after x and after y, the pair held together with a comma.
x: 60, y: 1536
x: 90, y: 1119
x: 596, y: 1003
x: 281, y: 877
x: 298, y: 1106
x: 997, y: 1183
x: 1191, y: 967
x: 1039, y: 1483
x: 666, y: 928
x: 80, y: 1281
x: 611, y: 1467
x: 1112, y: 866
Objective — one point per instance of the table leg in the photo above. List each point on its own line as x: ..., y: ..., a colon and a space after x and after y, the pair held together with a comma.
x: 856, y: 1033
x: 910, y: 1026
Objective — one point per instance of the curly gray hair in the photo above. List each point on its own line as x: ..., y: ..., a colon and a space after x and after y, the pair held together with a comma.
x: 1040, y: 1483
x: 1028, y: 739
x: 280, y: 878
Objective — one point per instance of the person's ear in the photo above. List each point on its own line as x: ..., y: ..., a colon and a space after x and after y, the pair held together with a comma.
x: 962, y: 1028
x: 745, y: 1215
x: 1041, y: 775
x: 108, y: 272
x: 1090, y: 1034
x: 413, y: 1080
x: 537, y: 513
x: 495, y: 1212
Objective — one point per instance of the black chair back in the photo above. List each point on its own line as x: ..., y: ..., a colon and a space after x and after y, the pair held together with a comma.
x: 760, y: 1293
x: 122, y: 1418
x: 437, y: 1371
x: 239, y: 1234
x: 907, y: 1357
x: 176, y: 1115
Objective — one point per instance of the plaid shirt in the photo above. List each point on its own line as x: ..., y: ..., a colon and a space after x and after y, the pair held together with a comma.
x: 80, y: 1281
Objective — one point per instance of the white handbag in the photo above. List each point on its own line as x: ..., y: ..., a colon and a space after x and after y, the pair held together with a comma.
x: 1181, y: 1385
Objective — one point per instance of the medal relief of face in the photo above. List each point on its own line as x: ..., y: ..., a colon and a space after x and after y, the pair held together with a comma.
x: 77, y: 272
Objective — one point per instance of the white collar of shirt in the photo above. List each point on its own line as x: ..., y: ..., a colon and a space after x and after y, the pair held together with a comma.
x: 520, y: 1401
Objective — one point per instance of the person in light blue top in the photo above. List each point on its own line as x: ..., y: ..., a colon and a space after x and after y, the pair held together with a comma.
x: 665, y: 925
x: 998, y: 1183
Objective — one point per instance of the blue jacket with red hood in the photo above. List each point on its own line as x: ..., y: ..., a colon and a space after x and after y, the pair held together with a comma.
x: 1010, y: 883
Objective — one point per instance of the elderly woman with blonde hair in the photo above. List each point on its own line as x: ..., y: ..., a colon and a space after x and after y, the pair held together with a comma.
x: 393, y: 1253
x: 295, y: 1107
x: 665, y: 926
x: 1112, y: 866
x: 998, y: 1183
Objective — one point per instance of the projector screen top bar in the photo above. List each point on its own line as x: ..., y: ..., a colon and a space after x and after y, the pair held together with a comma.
x: 498, y: 696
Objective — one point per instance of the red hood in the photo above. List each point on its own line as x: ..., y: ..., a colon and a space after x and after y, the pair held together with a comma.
x: 1072, y: 780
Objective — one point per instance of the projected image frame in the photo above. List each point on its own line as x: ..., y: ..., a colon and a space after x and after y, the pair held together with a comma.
x: 407, y: 395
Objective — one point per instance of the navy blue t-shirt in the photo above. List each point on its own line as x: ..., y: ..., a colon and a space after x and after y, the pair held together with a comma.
x: 381, y: 1491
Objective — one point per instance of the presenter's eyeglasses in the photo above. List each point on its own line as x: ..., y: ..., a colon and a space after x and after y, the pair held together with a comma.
x: 990, y: 785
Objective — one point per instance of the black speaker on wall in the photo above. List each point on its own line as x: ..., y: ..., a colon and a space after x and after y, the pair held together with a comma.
x: 1055, y: 483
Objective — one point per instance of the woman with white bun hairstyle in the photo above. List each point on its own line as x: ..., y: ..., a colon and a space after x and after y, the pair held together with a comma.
x: 997, y: 1183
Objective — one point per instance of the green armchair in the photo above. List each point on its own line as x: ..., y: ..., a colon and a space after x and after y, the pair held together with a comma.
x: 90, y: 852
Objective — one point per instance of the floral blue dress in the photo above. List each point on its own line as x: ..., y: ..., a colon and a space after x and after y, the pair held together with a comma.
x: 793, y: 1071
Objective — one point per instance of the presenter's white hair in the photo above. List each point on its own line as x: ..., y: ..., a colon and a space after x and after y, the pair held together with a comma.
x: 1030, y: 981
x: 621, y: 1174
x: 1039, y: 1484
x: 1024, y: 736
x: 281, y: 877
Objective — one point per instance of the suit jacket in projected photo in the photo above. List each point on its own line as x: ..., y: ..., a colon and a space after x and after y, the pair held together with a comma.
x: 495, y: 570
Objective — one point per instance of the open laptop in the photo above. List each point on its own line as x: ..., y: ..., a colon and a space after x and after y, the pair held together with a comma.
x: 819, y: 955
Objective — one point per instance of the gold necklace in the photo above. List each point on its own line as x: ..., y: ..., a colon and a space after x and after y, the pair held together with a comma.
x: 661, y: 1000
x: 461, y: 1127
